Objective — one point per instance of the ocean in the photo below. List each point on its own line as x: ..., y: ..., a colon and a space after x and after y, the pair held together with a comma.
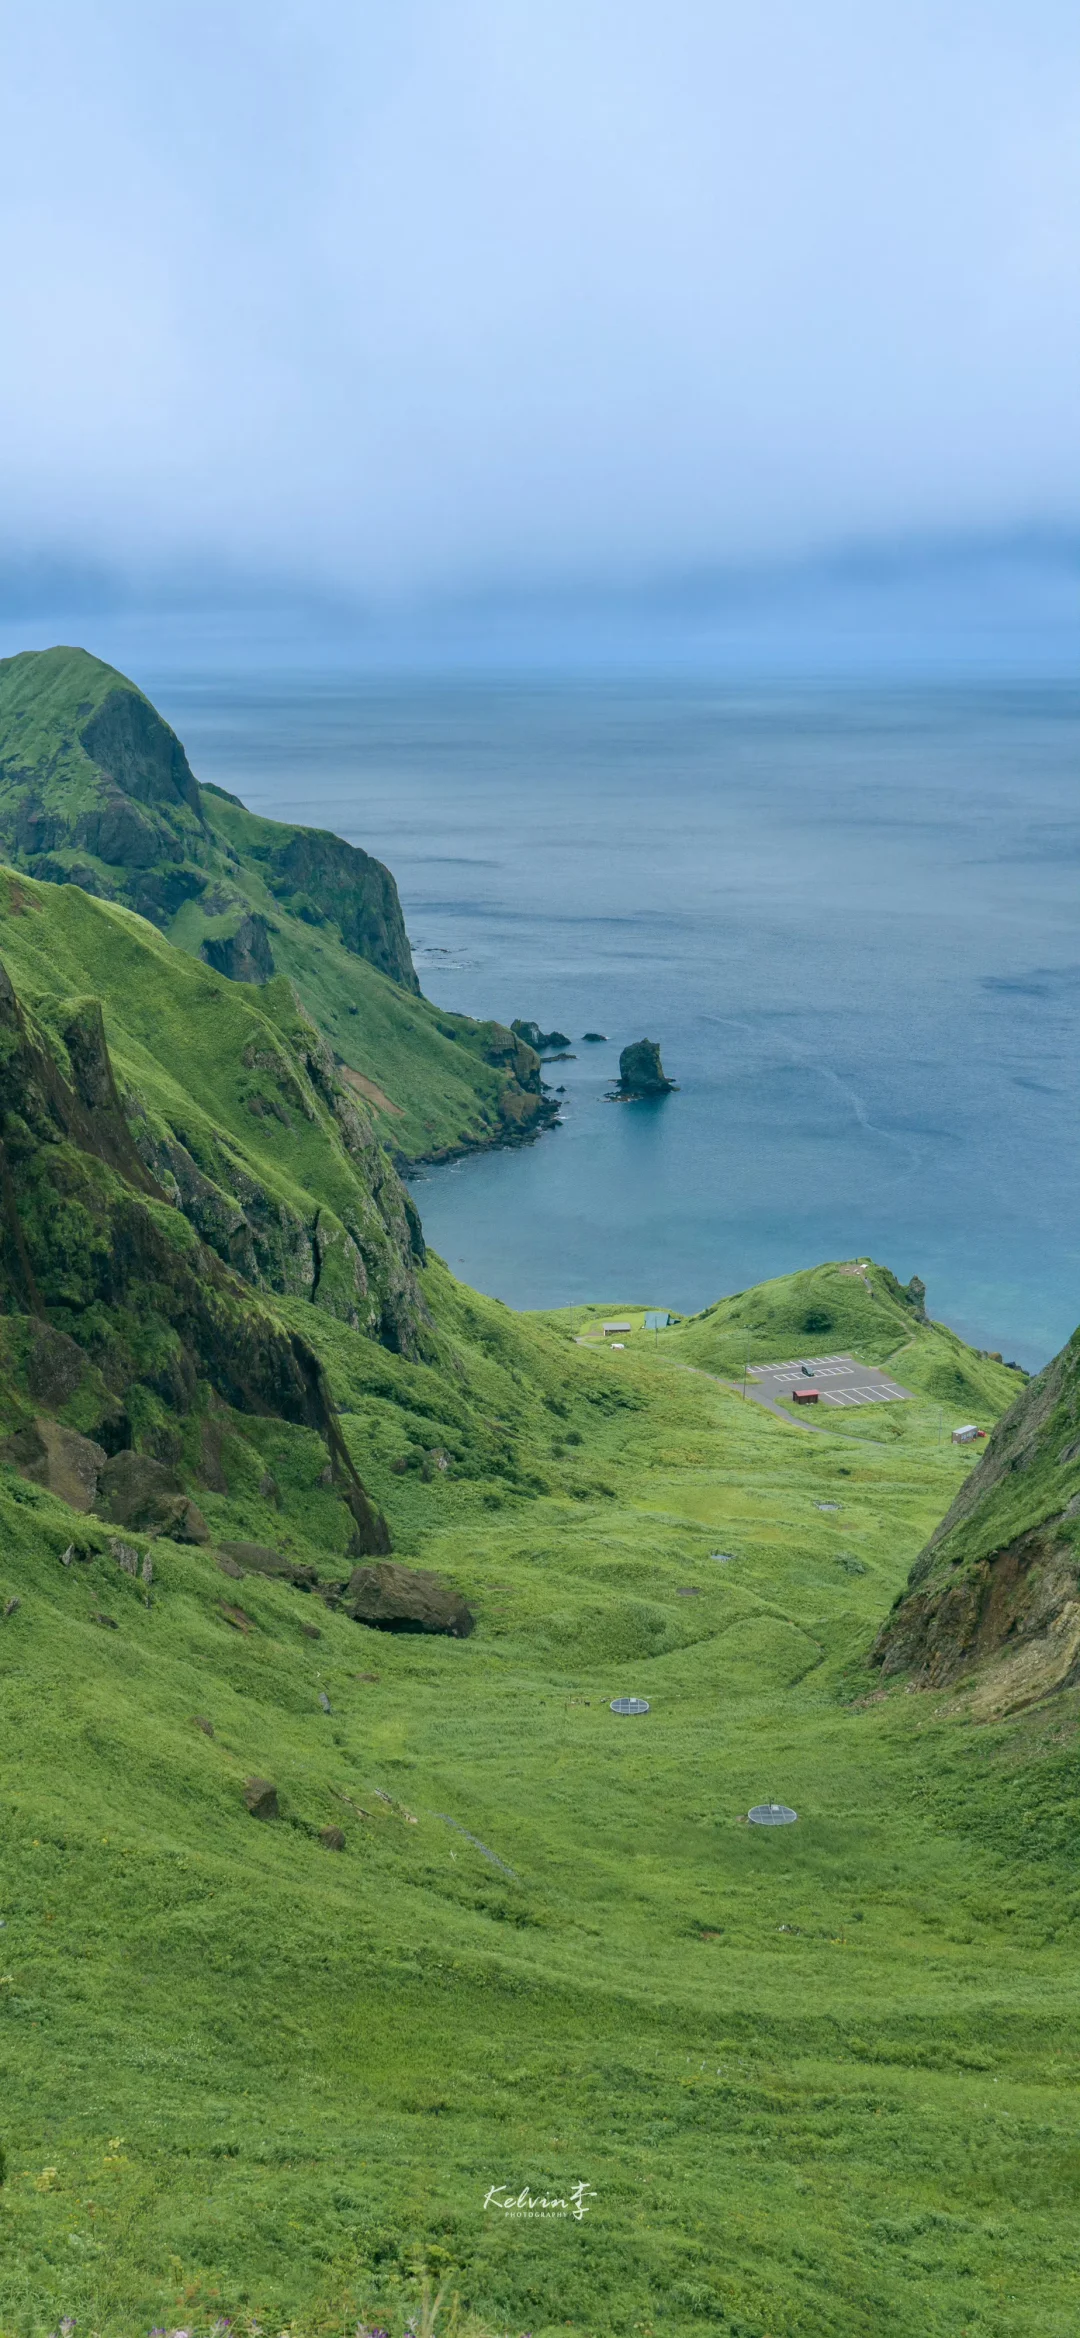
x: 848, y: 915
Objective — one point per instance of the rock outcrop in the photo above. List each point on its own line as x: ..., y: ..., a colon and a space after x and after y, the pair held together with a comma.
x: 540, y: 1041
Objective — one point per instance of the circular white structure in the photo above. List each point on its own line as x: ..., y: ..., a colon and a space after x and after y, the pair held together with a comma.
x: 771, y: 1814
x: 629, y: 1704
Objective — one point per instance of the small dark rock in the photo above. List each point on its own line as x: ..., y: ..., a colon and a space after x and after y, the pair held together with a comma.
x: 10, y: 1606
x: 311, y: 1631
x: 199, y: 1721
x: 229, y: 1567
x: 595, y: 1038
x: 261, y: 1798
x: 109, y: 1621
x: 126, y: 1556
x: 324, y: 1701
x: 332, y: 1839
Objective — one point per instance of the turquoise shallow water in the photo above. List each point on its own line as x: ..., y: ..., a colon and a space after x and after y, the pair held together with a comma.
x: 850, y: 917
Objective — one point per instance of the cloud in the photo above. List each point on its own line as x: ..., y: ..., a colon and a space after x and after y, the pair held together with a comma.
x: 471, y: 292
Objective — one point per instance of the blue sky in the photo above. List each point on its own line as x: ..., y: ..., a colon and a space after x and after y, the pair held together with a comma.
x: 419, y: 304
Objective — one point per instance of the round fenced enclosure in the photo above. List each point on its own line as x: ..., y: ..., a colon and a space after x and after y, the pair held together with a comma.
x: 629, y: 1704
x: 771, y: 1814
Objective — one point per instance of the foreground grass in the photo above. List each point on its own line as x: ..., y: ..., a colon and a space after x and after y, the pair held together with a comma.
x: 820, y: 2081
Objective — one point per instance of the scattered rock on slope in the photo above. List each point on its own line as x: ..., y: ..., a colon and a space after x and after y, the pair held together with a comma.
x: 406, y: 1599
x: 255, y: 1558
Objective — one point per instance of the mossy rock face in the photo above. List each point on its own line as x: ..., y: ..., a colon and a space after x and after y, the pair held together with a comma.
x: 999, y: 1579
x: 47, y: 1454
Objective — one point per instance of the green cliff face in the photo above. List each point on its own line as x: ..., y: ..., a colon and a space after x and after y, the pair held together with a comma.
x: 96, y: 791
x: 996, y: 1589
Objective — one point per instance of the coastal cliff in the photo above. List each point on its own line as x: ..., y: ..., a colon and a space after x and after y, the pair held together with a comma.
x: 96, y: 791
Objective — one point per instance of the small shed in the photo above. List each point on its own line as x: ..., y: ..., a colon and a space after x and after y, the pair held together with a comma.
x: 609, y: 1328
x: 804, y: 1395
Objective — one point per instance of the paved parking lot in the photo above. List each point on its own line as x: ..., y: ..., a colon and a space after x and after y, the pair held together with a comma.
x: 839, y: 1381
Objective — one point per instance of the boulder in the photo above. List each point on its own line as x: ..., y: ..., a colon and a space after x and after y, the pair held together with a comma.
x: 406, y: 1599
x: 641, y: 1072
x: 332, y: 1839
x: 595, y: 1038
x: 261, y: 1798
x: 58, y: 1459
x: 199, y: 1721
x: 144, y: 1494
x: 256, y: 1558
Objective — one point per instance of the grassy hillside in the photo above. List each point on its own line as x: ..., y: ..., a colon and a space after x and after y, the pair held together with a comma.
x: 96, y: 791
x: 818, y: 2080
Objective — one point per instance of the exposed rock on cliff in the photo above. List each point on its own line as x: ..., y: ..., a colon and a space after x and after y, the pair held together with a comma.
x: 321, y: 878
x: 245, y: 954
x: 997, y: 1586
x: 104, y: 1262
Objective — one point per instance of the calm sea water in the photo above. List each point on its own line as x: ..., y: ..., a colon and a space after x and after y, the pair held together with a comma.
x: 850, y: 917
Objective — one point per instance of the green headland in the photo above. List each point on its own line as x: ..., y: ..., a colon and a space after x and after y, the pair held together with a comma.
x: 339, y: 1910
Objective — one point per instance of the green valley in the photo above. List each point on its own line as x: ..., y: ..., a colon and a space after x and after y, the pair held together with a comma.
x: 343, y: 1924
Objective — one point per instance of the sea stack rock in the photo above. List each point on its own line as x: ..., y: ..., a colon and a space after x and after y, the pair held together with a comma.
x: 641, y: 1072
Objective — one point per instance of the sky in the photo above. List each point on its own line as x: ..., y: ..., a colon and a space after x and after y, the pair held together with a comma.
x: 454, y: 300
